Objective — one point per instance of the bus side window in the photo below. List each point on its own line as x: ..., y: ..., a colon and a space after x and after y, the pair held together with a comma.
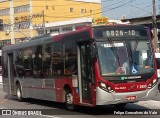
x: 46, y: 58
x: 57, y: 59
x: 28, y: 62
x: 19, y: 63
x: 37, y: 62
x: 70, y: 59
x: 4, y: 67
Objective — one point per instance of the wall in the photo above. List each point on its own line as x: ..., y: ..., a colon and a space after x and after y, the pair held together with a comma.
x: 57, y: 10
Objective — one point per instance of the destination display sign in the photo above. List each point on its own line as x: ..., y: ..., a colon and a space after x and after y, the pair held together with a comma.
x: 119, y: 32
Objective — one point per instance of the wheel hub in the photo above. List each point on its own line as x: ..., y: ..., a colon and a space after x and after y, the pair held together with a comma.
x: 18, y: 93
x: 69, y: 98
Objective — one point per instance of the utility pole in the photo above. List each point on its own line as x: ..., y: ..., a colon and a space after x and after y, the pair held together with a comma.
x: 30, y: 20
x: 44, y: 29
x: 12, y: 22
x: 155, y: 37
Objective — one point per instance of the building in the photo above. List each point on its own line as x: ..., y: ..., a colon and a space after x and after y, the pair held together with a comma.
x: 22, y: 19
x: 65, y: 26
x: 72, y: 25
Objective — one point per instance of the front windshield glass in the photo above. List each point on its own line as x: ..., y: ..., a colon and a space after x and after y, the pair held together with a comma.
x: 125, y: 57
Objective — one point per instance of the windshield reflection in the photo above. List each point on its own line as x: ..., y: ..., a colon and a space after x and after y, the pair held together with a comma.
x: 125, y: 57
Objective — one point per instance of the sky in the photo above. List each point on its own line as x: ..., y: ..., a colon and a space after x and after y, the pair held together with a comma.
x: 116, y: 9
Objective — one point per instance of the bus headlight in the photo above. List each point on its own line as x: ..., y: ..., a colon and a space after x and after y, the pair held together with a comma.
x: 105, y: 87
x: 152, y: 84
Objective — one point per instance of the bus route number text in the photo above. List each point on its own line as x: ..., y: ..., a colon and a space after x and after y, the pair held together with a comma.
x: 120, y: 33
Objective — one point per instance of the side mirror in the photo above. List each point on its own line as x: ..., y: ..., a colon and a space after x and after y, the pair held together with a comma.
x: 93, y: 52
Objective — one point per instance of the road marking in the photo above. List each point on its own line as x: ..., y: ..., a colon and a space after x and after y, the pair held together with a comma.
x: 50, y: 116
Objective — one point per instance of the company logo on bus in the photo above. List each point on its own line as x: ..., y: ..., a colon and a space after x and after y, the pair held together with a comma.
x: 121, y: 88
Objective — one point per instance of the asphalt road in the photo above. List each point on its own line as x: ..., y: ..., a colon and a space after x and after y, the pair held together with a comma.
x: 57, y: 110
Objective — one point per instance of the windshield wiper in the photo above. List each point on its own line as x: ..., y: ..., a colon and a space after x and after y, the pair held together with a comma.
x: 132, y: 52
x: 136, y: 44
x: 113, y: 48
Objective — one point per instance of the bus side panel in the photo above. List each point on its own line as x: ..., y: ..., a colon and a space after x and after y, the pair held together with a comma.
x: 50, y: 92
x: 6, y: 85
x: 39, y: 88
x: 35, y: 86
x: 59, y: 86
x: 24, y: 82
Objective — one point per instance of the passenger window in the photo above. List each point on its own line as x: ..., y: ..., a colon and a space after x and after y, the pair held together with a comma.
x: 46, y: 58
x: 57, y: 59
x: 19, y: 63
x: 37, y: 62
x: 70, y: 59
x: 28, y: 62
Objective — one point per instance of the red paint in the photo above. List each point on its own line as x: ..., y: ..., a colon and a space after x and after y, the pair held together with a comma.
x: 59, y: 85
x: 60, y: 36
x: 120, y: 87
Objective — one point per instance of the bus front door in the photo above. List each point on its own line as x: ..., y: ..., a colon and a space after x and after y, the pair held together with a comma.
x: 11, y: 73
x: 86, y: 74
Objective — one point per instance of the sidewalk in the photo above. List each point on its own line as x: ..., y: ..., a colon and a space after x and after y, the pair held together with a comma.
x: 154, y: 104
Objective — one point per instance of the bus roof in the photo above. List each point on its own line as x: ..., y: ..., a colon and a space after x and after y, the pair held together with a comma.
x: 50, y: 38
x: 120, y: 26
x: 27, y: 44
x: 83, y: 33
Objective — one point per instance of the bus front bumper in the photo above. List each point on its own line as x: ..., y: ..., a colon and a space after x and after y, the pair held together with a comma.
x: 105, y: 98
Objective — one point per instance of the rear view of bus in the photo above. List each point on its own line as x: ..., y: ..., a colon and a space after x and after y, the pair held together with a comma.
x: 125, y: 65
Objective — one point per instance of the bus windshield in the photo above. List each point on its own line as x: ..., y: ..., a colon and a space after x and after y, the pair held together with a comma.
x: 125, y: 57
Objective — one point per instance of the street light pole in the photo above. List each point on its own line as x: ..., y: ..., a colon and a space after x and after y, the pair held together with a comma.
x: 44, y: 29
x: 12, y: 22
x: 30, y: 12
x: 155, y: 37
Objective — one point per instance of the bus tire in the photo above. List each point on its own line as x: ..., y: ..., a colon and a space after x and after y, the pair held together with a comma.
x: 120, y: 105
x: 69, y: 101
x: 19, y: 93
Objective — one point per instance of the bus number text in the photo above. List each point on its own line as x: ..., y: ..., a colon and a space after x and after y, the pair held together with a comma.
x: 120, y: 33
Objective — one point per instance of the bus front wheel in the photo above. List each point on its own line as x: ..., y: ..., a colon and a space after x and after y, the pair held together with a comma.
x: 69, y: 100
x: 19, y: 93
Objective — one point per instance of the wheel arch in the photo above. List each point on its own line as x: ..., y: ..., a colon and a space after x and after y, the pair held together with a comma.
x: 65, y: 88
x: 18, y: 83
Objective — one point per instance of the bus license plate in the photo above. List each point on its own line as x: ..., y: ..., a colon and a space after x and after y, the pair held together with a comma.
x: 131, y: 97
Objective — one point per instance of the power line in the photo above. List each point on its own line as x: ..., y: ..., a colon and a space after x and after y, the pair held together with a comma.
x: 77, y: 13
x: 141, y: 10
x: 56, y: 4
x: 73, y: 16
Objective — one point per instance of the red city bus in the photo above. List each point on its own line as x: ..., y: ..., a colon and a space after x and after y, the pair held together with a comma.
x: 93, y: 66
